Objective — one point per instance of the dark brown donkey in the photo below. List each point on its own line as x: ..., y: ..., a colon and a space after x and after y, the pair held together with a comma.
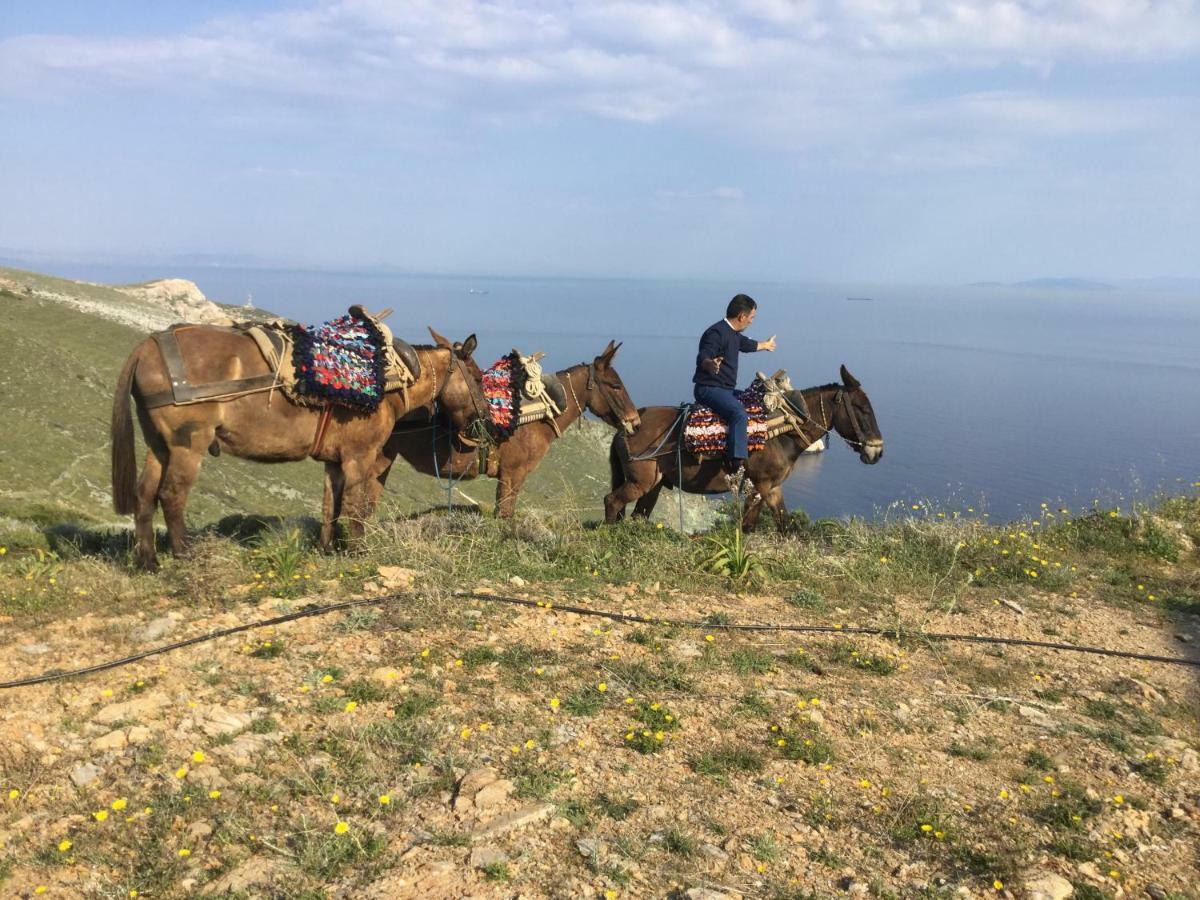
x: 264, y: 427
x: 594, y: 386
x: 643, y: 463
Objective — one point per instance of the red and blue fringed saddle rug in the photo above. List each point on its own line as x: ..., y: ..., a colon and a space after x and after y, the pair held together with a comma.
x: 503, y: 387
x: 340, y: 362
x: 704, y: 433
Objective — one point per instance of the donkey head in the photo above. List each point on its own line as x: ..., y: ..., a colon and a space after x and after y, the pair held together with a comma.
x: 607, y: 395
x: 462, y: 397
x: 854, y: 420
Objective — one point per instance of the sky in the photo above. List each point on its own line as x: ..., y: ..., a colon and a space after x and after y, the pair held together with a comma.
x: 926, y: 141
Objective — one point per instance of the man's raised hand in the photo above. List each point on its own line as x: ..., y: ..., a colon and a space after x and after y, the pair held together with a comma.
x: 768, y: 344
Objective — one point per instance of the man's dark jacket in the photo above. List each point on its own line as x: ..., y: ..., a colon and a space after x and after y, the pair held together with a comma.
x: 721, y: 340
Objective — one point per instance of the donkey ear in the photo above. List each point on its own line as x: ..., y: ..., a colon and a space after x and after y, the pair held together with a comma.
x: 849, y: 380
x: 438, y: 339
x: 610, y: 351
x: 468, y: 347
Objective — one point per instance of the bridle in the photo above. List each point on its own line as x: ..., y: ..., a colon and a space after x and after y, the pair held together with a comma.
x: 858, y: 442
x: 616, y: 405
x: 476, y: 432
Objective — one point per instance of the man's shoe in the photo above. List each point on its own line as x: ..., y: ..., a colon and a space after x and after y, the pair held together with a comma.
x: 733, y: 465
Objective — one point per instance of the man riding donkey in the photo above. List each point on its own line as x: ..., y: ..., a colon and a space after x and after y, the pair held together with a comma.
x: 716, y: 374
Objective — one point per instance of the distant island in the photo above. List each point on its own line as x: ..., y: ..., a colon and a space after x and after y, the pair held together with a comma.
x: 1057, y: 284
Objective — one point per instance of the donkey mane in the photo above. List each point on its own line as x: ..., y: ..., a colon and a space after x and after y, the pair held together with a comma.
x: 824, y: 387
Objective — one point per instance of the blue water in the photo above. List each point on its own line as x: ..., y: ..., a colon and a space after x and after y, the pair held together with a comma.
x: 998, y: 399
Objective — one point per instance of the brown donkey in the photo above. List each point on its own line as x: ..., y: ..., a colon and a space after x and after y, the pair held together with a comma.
x: 264, y: 427
x: 594, y: 386
x: 643, y: 463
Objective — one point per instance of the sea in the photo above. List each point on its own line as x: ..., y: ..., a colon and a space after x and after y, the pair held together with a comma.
x: 993, y: 401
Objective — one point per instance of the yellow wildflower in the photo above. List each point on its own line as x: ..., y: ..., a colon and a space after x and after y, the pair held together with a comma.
x: 341, y: 828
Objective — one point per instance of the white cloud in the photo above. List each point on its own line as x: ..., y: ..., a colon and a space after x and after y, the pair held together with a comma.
x: 791, y: 73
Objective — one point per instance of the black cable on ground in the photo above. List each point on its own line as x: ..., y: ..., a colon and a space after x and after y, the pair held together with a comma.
x: 616, y: 617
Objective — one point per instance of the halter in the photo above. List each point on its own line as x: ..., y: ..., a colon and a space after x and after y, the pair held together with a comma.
x: 476, y: 434
x: 859, y: 439
x: 594, y: 383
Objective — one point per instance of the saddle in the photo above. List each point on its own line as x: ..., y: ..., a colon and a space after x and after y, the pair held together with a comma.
x: 276, y: 341
x: 767, y: 406
x: 518, y: 393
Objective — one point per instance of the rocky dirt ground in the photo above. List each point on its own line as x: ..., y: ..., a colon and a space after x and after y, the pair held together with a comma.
x: 437, y: 746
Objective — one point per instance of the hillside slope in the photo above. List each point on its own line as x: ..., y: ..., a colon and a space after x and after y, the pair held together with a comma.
x: 66, y: 343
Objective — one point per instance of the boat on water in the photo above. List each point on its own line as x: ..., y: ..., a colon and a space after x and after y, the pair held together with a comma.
x: 475, y: 291
x: 861, y: 299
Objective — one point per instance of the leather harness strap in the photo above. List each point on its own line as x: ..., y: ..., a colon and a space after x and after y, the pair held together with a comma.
x: 183, y: 392
x: 322, y: 427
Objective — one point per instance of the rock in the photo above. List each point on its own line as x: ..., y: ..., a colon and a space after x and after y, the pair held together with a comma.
x: 397, y: 577
x: 114, y: 740
x: 1036, y: 716
x: 138, y: 709
x: 482, y: 857
x: 84, y: 774
x: 472, y: 783
x: 658, y: 813
x: 218, y: 721
x: 493, y: 795
x: 517, y: 581
x: 156, y: 629
x: 588, y: 847
x: 1156, y: 891
x: 1047, y: 886
x: 521, y: 818
x: 705, y: 894
x: 35, y: 649
x: 254, y: 872
x: 198, y: 831
x: 1189, y: 761
x: 713, y: 852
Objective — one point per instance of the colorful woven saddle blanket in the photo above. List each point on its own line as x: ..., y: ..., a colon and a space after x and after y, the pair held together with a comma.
x: 705, y: 433
x: 341, y: 362
x: 517, y: 393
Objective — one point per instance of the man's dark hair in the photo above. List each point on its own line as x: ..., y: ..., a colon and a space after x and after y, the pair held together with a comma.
x: 739, y: 305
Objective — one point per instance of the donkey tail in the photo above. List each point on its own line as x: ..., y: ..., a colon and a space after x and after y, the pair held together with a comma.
x: 124, y: 466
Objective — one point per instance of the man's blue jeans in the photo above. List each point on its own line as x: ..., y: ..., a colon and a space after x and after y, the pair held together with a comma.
x: 732, y: 413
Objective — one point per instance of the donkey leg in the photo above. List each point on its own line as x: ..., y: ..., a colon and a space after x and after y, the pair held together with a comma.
x: 754, y: 505
x: 183, y: 467
x: 331, y: 506
x: 773, y: 497
x: 355, y: 499
x: 642, y: 478
x: 508, y: 489
x: 145, y: 556
x: 646, y: 503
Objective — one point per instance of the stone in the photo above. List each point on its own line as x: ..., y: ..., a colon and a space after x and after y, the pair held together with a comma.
x: 705, y: 894
x: 521, y: 818
x: 255, y: 872
x: 493, y: 795
x: 517, y: 581
x: 136, y: 710
x: 35, y: 649
x: 713, y: 852
x: 1046, y: 886
x: 1036, y: 716
x: 482, y: 857
x: 1189, y: 761
x: 114, y: 740
x: 475, y: 780
x: 588, y: 847
x: 396, y: 577
x: 84, y: 774
x: 156, y: 629
x: 218, y: 721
